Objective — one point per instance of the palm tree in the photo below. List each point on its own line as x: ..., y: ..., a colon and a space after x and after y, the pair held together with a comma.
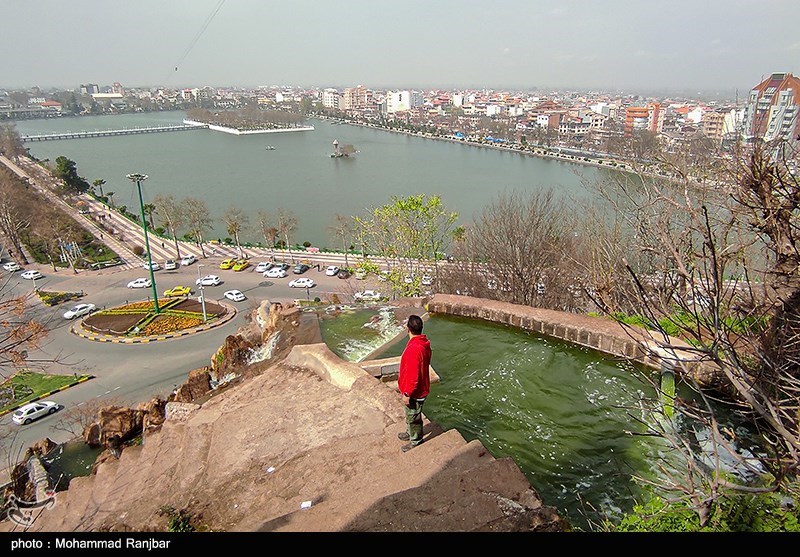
x: 99, y: 185
x: 110, y: 196
x: 149, y: 209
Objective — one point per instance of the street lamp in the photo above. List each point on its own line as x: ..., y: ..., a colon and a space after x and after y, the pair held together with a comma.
x: 139, y: 178
x: 202, y: 298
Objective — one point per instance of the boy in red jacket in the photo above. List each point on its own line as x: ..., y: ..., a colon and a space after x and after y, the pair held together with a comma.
x: 414, y: 380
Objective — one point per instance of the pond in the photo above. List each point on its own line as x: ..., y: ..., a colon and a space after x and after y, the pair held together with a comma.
x: 571, y: 418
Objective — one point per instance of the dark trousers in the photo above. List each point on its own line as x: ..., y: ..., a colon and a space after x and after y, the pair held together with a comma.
x: 414, y: 421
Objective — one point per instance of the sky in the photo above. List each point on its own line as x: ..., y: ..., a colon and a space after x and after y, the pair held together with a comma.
x: 610, y: 45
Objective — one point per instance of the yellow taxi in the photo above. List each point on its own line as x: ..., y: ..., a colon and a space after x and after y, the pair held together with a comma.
x: 241, y: 265
x: 227, y: 263
x: 178, y: 291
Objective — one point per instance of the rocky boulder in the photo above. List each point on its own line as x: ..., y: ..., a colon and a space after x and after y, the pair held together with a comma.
x: 196, y: 385
x: 154, y: 414
x: 231, y: 357
x: 114, y: 425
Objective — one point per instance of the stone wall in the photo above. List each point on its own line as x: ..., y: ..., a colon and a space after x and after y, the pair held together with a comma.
x: 597, y: 333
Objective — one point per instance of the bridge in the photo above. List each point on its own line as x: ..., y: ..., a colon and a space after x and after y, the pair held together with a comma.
x: 108, y: 133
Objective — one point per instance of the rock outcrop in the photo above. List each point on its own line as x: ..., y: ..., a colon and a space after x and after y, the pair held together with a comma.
x: 301, y: 447
x: 114, y: 425
x: 197, y: 385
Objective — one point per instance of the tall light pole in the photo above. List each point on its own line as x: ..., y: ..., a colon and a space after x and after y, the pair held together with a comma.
x: 139, y: 178
x: 202, y: 297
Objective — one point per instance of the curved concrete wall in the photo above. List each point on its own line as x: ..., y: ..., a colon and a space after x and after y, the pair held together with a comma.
x: 598, y: 333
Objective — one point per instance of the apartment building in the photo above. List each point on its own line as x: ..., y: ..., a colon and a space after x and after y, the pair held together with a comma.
x: 772, y: 109
x: 649, y: 117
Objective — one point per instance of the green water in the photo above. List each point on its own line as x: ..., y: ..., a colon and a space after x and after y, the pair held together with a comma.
x: 563, y: 413
x: 353, y: 333
x: 70, y: 460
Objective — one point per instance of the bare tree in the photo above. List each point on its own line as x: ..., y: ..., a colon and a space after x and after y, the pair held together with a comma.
x: 198, y: 219
x: 235, y: 220
x: 518, y: 249
x: 11, y: 145
x: 718, y: 292
x: 341, y: 228
x: 268, y: 230
x: 287, y: 223
x: 15, y: 216
x: 171, y: 215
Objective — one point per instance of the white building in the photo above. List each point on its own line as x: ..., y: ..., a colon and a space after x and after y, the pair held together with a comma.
x: 330, y: 98
x: 397, y: 101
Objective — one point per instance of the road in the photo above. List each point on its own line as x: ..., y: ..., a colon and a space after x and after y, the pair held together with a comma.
x: 132, y: 373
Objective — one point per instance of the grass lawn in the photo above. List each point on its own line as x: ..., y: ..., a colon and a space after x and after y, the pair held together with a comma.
x: 28, y: 385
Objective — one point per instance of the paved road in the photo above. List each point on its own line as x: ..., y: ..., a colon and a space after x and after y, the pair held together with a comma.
x: 134, y: 373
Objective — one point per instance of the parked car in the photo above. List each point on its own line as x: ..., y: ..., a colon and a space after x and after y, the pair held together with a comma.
x: 177, y: 291
x: 33, y: 411
x: 427, y: 280
x: 331, y: 270
x: 11, y: 266
x: 275, y: 272
x: 302, y: 283
x: 170, y: 265
x: 343, y: 274
x: 140, y: 283
x: 241, y: 265
x: 263, y: 266
x: 284, y: 266
x: 367, y: 296
x: 227, y: 264
x: 154, y: 265
x: 208, y: 280
x: 300, y: 268
x: 188, y: 260
x: 32, y: 274
x: 235, y: 295
x: 79, y: 310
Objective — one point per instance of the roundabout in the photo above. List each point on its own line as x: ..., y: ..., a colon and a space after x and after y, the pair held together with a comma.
x: 138, y: 323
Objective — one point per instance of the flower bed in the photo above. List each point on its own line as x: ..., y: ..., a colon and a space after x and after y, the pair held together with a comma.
x: 138, y: 319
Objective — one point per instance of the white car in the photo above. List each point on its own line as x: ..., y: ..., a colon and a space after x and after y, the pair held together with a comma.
x: 427, y: 280
x: 79, y: 311
x: 235, y: 295
x: 263, y: 266
x: 208, y: 280
x: 331, y: 270
x: 188, y: 260
x: 34, y: 410
x: 367, y: 296
x: 32, y: 274
x: 140, y: 283
x: 302, y: 283
x: 275, y: 272
x: 170, y: 265
x: 154, y: 265
x: 11, y: 266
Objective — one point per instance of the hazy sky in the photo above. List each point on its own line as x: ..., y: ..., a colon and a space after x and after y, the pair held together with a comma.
x: 631, y: 45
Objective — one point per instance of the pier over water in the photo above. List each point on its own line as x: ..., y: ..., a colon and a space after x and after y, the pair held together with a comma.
x: 108, y: 133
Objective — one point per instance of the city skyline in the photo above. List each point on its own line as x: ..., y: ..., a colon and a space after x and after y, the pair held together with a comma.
x: 622, y: 45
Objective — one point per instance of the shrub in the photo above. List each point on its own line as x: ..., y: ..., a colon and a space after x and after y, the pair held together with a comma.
x: 138, y: 250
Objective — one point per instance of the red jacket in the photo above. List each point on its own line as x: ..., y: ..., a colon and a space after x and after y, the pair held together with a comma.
x: 414, y: 379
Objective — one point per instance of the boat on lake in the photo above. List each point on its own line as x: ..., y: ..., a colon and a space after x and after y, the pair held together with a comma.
x: 270, y: 148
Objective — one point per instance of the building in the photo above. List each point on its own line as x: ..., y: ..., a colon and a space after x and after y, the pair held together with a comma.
x: 398, y: 101
x: 649, y: 117
x: 772, y: 108
x: 330, y: 98
x: 89, y: 89
x: 354, y: 98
